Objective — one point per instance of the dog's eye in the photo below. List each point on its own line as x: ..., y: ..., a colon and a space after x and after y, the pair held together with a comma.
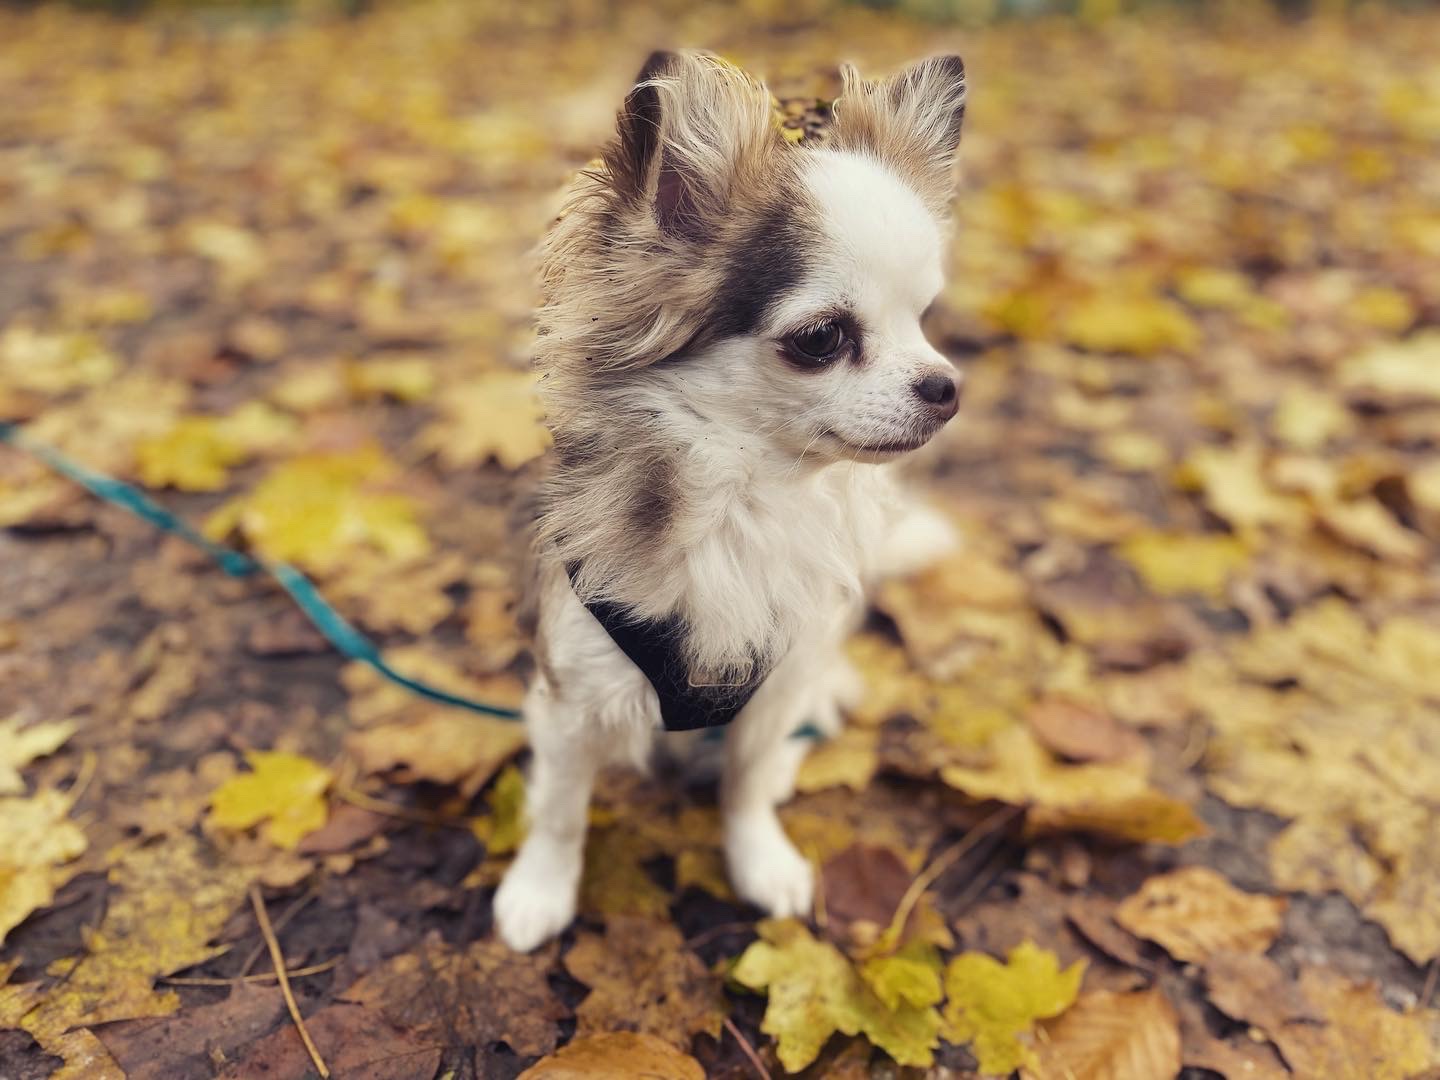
x: 818, y: 343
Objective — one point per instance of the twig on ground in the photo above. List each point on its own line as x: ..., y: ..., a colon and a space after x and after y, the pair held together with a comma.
x: 264, y: 976
x: 278, y: 959
x: 943, y: 862
x: 296, y: 906
x: 404, y: 813
x: 747, y: 1049
x: 716, y: 931
x: 1428, y: 989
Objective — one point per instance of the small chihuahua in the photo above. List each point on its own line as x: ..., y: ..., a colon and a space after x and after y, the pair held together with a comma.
x: 732, y: 353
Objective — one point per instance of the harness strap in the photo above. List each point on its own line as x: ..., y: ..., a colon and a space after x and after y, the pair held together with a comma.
x: 656, y: 647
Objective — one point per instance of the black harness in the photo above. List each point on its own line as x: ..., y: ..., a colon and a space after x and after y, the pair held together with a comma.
x: 656, y: 647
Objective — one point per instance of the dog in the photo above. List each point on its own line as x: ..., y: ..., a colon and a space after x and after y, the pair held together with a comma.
x: 731, y: 361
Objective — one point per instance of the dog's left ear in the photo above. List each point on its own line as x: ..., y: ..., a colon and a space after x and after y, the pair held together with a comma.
x: 910, y: 121
x: 694, y: 132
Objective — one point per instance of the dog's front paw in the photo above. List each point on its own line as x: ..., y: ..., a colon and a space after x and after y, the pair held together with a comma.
x: 535, y: 901
x: 767, y: 871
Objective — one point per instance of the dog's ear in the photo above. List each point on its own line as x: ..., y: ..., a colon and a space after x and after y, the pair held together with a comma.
x: 693, y: 131
x: 910, y: 121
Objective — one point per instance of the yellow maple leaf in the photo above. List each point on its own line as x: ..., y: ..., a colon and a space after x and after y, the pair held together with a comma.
x: 404, y: 378
x: 815, y: 991
x: 286, y: 791
x: 194, y: 455
x: 37, y: 842
x: 502, y: 829
x: 1139, y: 324
x: 993, y: 1005
x: 498, y: 416
x: 1174, y: 563
x: 21, y: 745
x: 317, y: 509
x: 168, y: 902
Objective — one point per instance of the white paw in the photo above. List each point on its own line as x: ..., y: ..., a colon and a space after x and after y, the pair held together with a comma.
x: 536, y: 900
x: 767, y: 871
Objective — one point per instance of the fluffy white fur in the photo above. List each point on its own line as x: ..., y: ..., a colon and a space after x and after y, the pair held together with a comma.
x: 717, y: 481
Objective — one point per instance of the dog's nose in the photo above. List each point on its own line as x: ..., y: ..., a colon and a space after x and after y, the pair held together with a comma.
x: 939, y: 391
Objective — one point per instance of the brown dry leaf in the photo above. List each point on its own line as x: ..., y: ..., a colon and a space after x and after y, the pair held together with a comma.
x: 1110, y: 1036
x: 444, y: 746
x: 617, y: 1055
x: 1195, y: 911
x: 161, y: 1048
x: 1081, y: 732
x: 1114, y: 798
x: 356, y: 1042
x: 479, y: 994
x: 1250, y: 987
x: 1361, y: 1039
x: 642, y: 978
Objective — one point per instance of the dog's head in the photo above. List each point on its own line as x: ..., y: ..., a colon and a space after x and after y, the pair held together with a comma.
x: 776, y: 290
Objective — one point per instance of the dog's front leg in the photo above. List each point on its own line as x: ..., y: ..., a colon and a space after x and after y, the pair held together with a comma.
x: 537, y: 898
x: 760, y: 764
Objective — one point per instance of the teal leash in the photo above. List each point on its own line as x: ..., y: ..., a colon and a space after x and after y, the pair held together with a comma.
x: 343, y: 635
x: 336, y: 629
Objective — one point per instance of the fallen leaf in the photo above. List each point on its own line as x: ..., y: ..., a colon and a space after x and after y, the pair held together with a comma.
x: 814, y: 992
x: 478, y: 994
x: 994, y: 1006
x: 1110, y: 1036
x: 1195, y: 911
x: 443, y: 746
x: 319, y: 509
x: 642, y: 978
x: 1250, y: 987
x: 37, y: 843
x: 169, y: 902
x: 285, y: 791
x: 1173, y: 564
x: 1361, y: 1038
x: 355, y: 1041
x: 616, y: 1055
x: 496, y: 416
x: 1080, y: 732
x: 19, y: 746
x: 614, y: 880
x: 502, y: 829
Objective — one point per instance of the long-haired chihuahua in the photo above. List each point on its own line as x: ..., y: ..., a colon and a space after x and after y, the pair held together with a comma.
x: 732, y: 358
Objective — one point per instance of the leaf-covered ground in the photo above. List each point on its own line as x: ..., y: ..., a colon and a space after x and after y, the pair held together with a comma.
x: 1147, y: 776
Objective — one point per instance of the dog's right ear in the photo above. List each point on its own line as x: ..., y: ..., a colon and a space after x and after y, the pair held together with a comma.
x: 692, y: 132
